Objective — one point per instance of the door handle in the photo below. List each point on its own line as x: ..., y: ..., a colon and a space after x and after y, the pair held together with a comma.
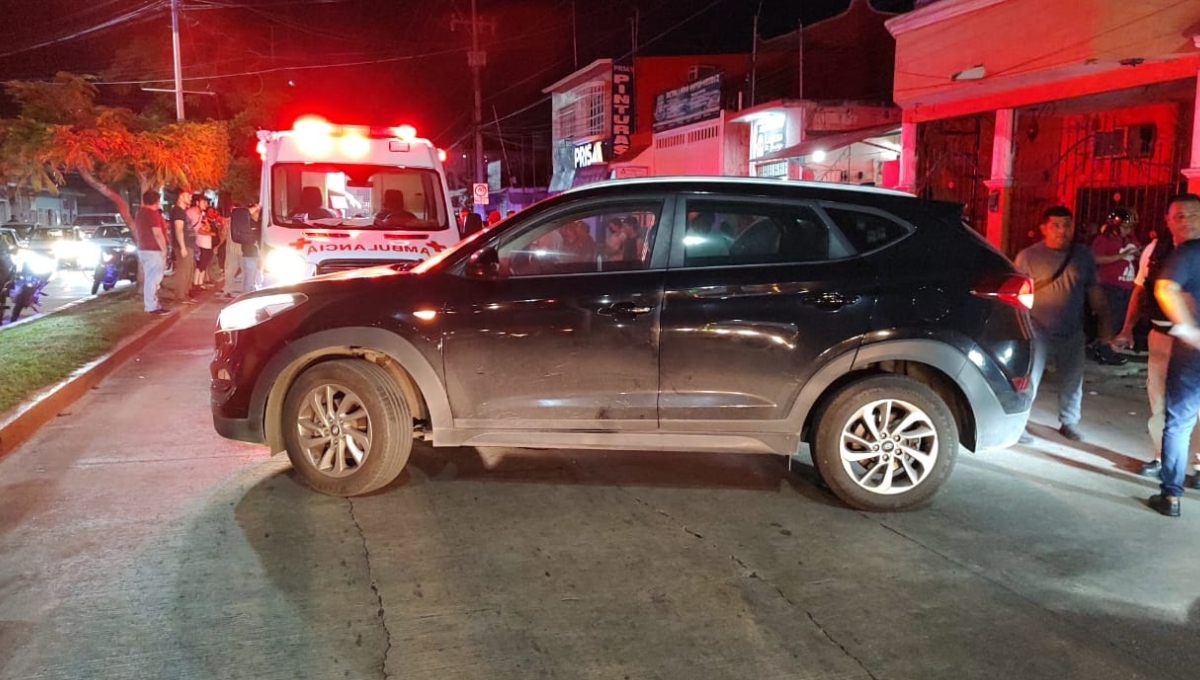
x: 828, y: 301
x: 624, y: 310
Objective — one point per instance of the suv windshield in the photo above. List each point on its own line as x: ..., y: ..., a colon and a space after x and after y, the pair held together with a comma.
x: 359, y: 196
x: 50, y: 234
x: 111, y: 232
x: 98, y: 219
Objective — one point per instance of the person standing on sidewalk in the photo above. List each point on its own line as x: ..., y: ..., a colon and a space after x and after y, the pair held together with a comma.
x: 233, y: 257
x: 1116, y: 253
x: 1064, y: 276
x: 1144, y: 307
x: 152, y: 246
x: 185, y: 245
x: 1177, y: 291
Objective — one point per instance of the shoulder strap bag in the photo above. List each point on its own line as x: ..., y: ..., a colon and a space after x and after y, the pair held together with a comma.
x: 1038, y: 285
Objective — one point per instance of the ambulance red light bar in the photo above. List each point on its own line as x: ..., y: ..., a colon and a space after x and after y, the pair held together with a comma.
x: 312, y: 126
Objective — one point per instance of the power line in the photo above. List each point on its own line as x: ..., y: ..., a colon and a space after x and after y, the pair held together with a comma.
x: 128, y: 16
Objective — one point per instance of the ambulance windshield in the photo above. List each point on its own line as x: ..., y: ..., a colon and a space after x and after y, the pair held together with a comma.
x: 357, y: 196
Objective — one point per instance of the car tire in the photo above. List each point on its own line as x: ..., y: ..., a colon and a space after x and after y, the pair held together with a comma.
x: 871, y: 467
x: 347, y: 429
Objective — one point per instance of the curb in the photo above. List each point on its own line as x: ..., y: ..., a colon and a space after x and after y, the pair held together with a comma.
x: 22, y: 422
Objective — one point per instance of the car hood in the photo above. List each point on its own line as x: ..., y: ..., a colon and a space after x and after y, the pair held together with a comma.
x: 110, y: 242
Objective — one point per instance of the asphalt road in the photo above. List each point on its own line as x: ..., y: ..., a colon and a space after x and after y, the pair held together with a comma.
x: 136, y: 543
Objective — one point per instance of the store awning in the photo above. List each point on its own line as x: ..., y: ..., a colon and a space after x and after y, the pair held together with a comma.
x: 828, y: 142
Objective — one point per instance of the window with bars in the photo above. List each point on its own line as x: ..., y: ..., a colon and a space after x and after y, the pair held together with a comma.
x: 593, y: 99
x: 566, y: 122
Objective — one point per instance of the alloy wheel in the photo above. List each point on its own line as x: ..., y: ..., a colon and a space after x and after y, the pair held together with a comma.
x: 889, y: 446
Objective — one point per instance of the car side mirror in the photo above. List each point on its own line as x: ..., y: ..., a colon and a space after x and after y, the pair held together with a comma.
x: 484, y: 264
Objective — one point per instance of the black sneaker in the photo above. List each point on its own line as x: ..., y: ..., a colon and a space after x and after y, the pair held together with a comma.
x: 1151, y: 469
x: 1165, y: 505
x: 1070, y: 432
x: 1193, y: 482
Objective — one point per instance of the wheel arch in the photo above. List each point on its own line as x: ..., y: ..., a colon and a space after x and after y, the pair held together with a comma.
x: 414, y: 376
x: 932, y: 363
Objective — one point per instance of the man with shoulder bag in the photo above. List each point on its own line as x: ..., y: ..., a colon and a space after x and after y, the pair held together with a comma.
x: 1065, y: 280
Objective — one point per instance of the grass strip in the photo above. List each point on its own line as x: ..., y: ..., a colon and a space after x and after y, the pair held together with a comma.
x: 40, y: 353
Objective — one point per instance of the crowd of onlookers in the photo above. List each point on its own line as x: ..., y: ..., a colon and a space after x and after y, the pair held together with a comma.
x: 201, y: 247
x: 1125, y: 286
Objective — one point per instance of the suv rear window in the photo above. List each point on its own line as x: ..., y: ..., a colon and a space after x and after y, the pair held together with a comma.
x: 731, y: 232
x: 865, y: 229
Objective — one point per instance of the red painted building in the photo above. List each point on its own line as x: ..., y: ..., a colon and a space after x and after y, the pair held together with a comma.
x: 1011, y: 106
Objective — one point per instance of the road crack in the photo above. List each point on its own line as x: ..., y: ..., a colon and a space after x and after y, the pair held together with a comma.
x: 387, y: 633
x: 751, y: 573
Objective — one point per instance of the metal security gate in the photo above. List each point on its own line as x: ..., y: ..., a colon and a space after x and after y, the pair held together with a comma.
x: 1094, y: 163
x: 955, y: 160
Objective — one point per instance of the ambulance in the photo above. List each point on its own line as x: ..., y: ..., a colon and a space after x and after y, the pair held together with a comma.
x: 338, y: 197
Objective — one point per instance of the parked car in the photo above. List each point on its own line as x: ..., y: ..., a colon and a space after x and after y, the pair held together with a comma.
x: 870, y: 328
x: 88, y: 222
x: 23, y: 229
x: 10, y: 240
x: 66, y: 245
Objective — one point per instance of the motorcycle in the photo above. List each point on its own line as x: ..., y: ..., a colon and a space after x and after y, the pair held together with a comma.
x: 118, y: 261
x: 33, y: 272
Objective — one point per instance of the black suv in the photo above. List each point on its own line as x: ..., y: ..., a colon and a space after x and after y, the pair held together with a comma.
x: 703, y: 314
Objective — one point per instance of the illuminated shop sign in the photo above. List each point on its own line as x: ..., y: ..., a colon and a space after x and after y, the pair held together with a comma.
x: 622, y: 108
x: 589, y: 153
x: 767, y: 134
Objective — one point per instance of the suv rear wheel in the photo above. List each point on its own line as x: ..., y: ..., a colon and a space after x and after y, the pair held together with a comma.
x: 886, y: 443
x: 346, y: 428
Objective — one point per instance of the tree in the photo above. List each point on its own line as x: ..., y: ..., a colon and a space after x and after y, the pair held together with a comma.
x: 61, y: 129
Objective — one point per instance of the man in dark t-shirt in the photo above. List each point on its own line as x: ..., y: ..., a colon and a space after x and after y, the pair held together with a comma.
x: 185, y: 265
x: 1177, y: 290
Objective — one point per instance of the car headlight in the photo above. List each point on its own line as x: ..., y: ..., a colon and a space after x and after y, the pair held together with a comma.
x: 130, y: 248
x: 88, y: 254
x: 63, y: 249
x: 285, y: 266
x: 38, y: 264
x: 247, y: 313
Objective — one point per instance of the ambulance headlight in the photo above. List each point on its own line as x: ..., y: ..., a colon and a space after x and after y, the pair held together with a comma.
x: 285, y: 266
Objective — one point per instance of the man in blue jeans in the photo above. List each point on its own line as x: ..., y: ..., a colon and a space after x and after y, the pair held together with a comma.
x: 1177, y: 290
x: 1064, y: 279
x: 150, y: 235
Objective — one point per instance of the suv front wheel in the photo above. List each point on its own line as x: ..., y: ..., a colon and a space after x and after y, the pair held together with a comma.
x: 347, y: 430
x: 886, y: 443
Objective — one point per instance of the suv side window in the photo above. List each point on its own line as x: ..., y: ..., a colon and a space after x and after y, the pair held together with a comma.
x: 865, y: 229
x: 730, y: 232
x: 602, y: 238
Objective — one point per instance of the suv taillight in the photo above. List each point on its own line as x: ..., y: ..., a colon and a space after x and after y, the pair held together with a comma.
x: 1014, y: 289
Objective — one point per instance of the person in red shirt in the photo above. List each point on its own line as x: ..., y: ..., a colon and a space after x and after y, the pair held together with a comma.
x: 150, y: 235
x: 1116, y: 251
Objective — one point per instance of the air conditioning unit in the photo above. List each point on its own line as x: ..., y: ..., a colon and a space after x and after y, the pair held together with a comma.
x: 1109, y: 143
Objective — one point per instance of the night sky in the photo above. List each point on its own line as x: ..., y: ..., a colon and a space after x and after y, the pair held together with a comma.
x: 374, y: 61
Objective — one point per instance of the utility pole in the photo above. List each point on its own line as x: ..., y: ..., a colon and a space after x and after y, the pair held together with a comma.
x: 476, y: 60
x: 178, y: 67
x: 754, y: 56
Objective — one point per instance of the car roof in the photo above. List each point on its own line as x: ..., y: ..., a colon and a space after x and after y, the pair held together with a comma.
x: 686, y: 182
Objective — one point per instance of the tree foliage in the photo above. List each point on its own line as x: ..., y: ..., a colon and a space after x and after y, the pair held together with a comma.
x: 61, y: 129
